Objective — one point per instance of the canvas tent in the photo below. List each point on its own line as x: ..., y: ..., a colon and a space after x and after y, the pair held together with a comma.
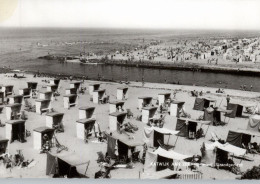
x: 52, y: 87
x: 93, y: 87
x: 114, y: 105
x: 46, y: 95
x: 38, y: 134
x: 241, y: 138
x: 154, y: 134
x: 98, y: 95
x: 148, y: 113
x: 15, y: 99
x: 187, y: 127
x: 162, y: 159
x: 86, y: 112
x: 67, y: 165
x: 3, y: 145
x: 144, y: 101
x: 32, y: 85
x: 15, y: 130
x: 70, y: 91
x: 162, y: 97
x: 70, y: 101
x: 116, y: 119
x: 42, y: 105
x: 55, y: 82
x: 85, y: 128
x: 254, y: 123
x: 122, y: 93
x: 214, y: 114
x: 13, y: 111
x: 237, y: 109
x: 176, y: 107
x: 7, y: 90
x: 122, y: 146
x: 53, y: 119
x: 76, y: 85
x: 201, y: 103
x: 25, y: 92
x: 217, y: 153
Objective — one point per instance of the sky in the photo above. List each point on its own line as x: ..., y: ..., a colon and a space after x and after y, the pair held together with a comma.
x: 155, y: 14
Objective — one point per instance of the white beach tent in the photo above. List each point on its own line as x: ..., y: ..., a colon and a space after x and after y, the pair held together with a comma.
x: 152, y: 162
x: 153, y: 134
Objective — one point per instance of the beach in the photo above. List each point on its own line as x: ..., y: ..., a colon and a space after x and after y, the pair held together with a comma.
x: 88, y: 151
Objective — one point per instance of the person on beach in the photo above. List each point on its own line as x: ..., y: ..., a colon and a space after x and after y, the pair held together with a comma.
x: 228, y: 99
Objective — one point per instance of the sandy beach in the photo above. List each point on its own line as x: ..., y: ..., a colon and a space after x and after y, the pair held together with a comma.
x: 88, y: 151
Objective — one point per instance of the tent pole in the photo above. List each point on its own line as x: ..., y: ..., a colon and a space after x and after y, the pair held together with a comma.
x: 168, y: 140
x: 206, y: 131
x: 87, y: 167
x: 176, y: 141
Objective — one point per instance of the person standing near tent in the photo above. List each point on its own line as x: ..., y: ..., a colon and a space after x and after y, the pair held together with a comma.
x: 228, y: 99
x: 96, y: 129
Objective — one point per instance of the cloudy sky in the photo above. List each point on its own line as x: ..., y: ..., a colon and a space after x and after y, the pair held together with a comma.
x: 170, y: 14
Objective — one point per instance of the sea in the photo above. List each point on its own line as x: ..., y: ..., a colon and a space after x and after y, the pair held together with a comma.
x: 20, y: 49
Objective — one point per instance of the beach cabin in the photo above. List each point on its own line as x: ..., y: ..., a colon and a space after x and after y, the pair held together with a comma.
x: 144, y: 101
x: 2, y: 98
x: 237, y: 110
x: 86, y: 112
x: 7, y: 90
x: 71, y: 91
x: 52, y: 87
x: 116, y: 119
x: 148, y: 113
x: 201, y: 103
x: 163, y: 97
x: 188, y: 127
x: 3, y: 145
x: 76, y: 85
x: 114, y: 106
x: 46, y: 95
x: 70, y: 101
x: 32, y: 85
x: 122, y: 93
x: 42, y: 105
x: 98, y: 95
x: 15, y: 99
x: 85, y: 128
x: 38, y: 140
x: 53, y: 119
x: 93, y: 87
x: 55, y: 82
x: 25, y: 92
x: 175, y: 108
x: 13, y: 111
x: 15, y: 130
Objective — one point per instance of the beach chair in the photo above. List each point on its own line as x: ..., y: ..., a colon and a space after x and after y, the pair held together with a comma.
x: 101, y: 157
x: 135, y: 156
x: 134, y: 127
x: 165, y: 146
x: 129, y: 114
x: 59, y: 146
